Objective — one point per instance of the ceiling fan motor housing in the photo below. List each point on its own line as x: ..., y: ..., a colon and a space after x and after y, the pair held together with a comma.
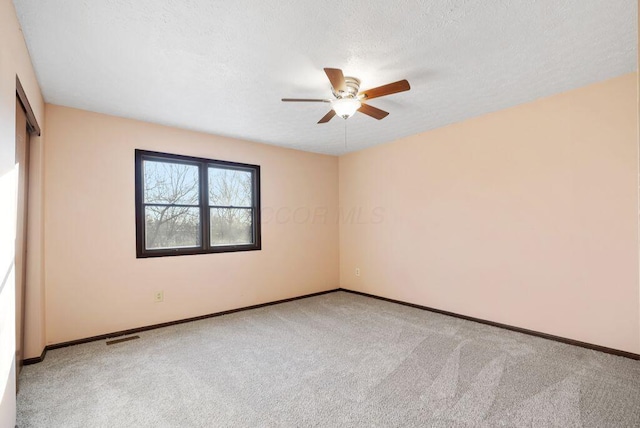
x: 353, y: 87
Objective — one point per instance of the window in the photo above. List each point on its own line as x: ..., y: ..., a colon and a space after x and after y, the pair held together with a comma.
x: 187, y: 205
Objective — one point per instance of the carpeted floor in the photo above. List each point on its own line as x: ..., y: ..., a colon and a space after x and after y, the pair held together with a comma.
x: 333, y: 360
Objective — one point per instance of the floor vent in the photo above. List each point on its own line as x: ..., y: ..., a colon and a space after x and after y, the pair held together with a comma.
x: 124, y: 339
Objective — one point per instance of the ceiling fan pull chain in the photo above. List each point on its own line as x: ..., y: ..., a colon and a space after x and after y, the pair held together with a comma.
x: 345, y: 135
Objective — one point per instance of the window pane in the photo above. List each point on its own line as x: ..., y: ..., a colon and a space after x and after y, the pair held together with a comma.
x: 230, y: 187
x: 172, y: 227
x: 170, y: 183
x: 231, y: 226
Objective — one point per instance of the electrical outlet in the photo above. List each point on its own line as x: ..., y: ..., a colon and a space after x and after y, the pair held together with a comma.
x: 159, y: 296
x: 357, y: 271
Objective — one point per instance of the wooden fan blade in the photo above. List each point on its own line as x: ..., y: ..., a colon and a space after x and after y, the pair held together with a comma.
x: 381, y: 91
x: 327, y: 117
x: 304, y: 100
x: 336, y: 78
x: 374, y: 112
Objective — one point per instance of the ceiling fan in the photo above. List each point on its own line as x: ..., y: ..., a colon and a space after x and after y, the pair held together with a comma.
x: 349, y: 99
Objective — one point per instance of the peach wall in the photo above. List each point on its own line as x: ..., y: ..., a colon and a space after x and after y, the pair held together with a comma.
x: 94, y: 282
x: 526, y: 216
x: 14, y: 60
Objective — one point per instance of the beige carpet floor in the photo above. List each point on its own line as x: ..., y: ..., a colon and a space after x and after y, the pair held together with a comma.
x: 333, y: 360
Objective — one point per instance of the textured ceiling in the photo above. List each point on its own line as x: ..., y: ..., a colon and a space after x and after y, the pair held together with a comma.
x: 222, y: 66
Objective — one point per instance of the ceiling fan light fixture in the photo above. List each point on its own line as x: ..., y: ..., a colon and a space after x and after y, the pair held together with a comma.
x: 346, y: 107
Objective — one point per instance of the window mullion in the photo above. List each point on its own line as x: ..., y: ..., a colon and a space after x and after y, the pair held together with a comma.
x: 204, y: 206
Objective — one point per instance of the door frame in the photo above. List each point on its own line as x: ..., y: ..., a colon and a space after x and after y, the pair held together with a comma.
x: 32, y: 129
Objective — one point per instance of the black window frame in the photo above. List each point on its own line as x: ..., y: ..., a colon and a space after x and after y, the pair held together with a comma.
x: 204, y: 206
